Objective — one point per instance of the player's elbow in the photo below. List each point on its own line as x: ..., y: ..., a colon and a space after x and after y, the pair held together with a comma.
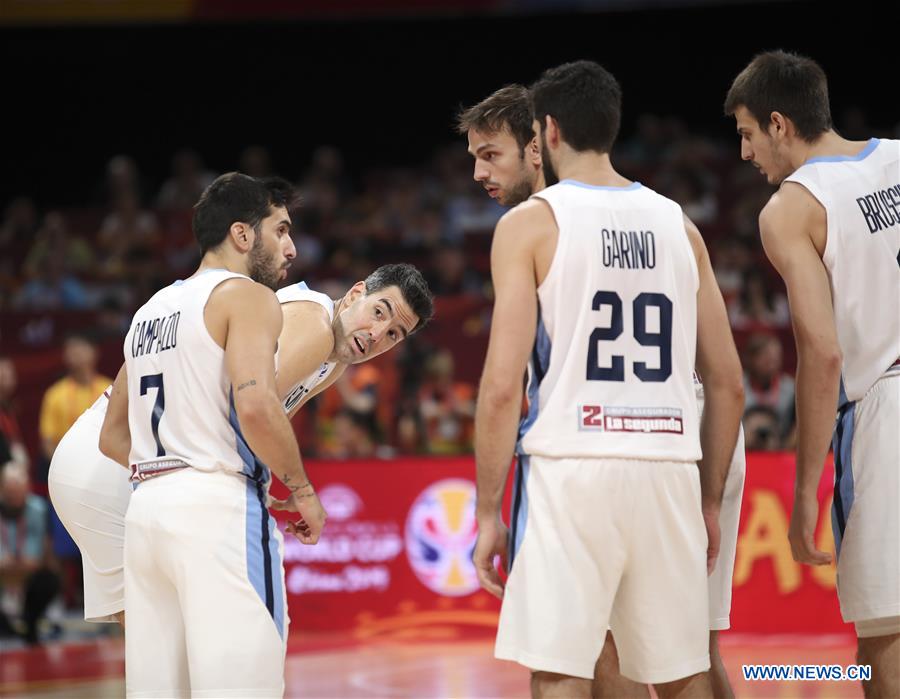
x: 831, y: 362
x: 726, y: 388
x: 495, y: 393
x: 735, y: 391
x: 826, y: 355
x: 105, y: 444
x: 834, y: 359
x: 255, y: 412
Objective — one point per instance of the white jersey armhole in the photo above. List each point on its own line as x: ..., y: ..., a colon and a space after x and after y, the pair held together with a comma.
x: 695, y: 270
x: 828, y: 254
x: 207, y: 337
x: 557, y: 255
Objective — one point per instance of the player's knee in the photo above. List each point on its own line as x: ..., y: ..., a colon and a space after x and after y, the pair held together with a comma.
x: 875, y: 631
x: 694, y: 686
x: 552, y: 684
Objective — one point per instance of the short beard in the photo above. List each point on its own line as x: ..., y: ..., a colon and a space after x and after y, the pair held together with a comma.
x: 550, y: 176
x: 261, y: 265
x: 518, y: 193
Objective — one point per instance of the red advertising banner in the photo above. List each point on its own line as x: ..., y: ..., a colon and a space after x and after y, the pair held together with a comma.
x: 395, y: 554
x: 396, y: 551
x: 772, y: 592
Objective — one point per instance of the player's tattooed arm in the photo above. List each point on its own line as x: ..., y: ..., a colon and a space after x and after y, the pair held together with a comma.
x: 295, y: 488
x: 251, y: 382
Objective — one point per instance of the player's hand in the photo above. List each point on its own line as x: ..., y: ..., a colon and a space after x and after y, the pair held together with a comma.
x: 298, y: 528
x: 492, y: 542
x: 312, y: 515
x: 713, y: 537
x: 801, y: 533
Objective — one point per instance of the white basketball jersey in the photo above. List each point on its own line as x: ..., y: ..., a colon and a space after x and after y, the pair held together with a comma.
x: 861, y: 196
x: 301, y: 292
x: 180, y: 400
x: 99, y: 405
x: 611, y: 374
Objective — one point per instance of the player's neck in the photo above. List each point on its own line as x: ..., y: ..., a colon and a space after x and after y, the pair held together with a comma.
x: 590, y: 168
x: 222, y: 259
x: 539, y: 182
x: 827, y: 145
x: 339, y: 305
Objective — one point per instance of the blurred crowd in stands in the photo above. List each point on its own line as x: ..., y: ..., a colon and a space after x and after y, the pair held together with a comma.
x: 85, y: 270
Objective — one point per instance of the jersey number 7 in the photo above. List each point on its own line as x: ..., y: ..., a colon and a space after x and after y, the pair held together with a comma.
x: 155, y: 381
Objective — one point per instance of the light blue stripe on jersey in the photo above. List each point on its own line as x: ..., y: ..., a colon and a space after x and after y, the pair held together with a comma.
x: 263, y: 557
x: 627, y: 188
x: 862, y: 155
x: 842, y: 395
x: 253, y: 468
x: 539, y: 364
x: 843, y: 472
x: 519, y: 507
x: 302, y: 285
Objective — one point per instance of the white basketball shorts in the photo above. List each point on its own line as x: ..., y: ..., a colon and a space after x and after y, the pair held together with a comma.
x: 204, y: 589
x: 607, y: 543
x: 866, y: 507
x: 90, y: 493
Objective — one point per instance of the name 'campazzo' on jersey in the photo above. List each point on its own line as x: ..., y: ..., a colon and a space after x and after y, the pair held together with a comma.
x: 157, y: 335
x: 628, y: 249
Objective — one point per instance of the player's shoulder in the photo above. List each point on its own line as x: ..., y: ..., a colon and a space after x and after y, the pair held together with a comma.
x: 241, y: 296
x: 695, y: 238
x: 301, y: 293
x: 241, y: 288
x: 889, y: 145
x: 306, y: 314
x: 307, y: 331
x: 532, y: 217
x: 792, y: 204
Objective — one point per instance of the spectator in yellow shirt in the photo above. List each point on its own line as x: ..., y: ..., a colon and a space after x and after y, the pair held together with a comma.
x: 65, y: 400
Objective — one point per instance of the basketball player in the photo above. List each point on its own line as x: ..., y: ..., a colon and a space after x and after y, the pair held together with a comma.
x: 91, y: 493
x: 502, y: 140
x: 617, y: 518
x: 832, y: 230
x: 203, y: 576
x: 200, y: 417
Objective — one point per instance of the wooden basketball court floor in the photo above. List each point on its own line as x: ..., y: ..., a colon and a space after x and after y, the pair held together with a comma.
x: 416, y: 665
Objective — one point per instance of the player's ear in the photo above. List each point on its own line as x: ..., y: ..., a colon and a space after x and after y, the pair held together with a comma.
x: 241, y: 235
x: 533, y: 152
x: 551, y: 129
x: 356, y: 291
x: 778, y: 124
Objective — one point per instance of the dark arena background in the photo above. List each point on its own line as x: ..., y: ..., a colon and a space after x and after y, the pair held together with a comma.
x: 116, y: 115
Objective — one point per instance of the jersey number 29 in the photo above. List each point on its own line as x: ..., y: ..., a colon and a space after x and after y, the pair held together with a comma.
x: 661, y: 339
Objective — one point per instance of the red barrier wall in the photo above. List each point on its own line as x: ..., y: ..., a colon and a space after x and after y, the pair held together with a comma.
x: 395, y: 554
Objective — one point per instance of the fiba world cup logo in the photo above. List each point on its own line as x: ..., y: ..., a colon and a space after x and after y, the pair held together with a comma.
x: 440, y: 535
